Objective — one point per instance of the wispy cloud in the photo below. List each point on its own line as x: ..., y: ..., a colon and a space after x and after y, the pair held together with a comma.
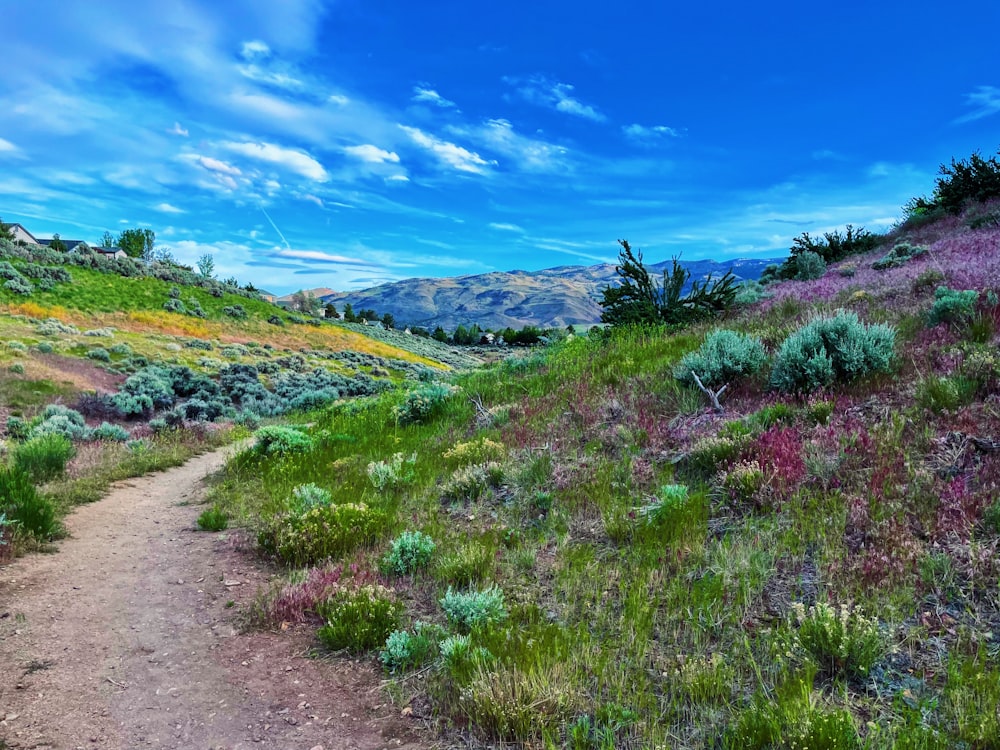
x: 501, y: 227
x: 255, y: 50
x: 318, y: 256
x: 291, y: 159
x: 544, y: 92
x: 455, y: 156
x: 428, y: 95
x: 168, y: 209
x: 372, y: 154
x: 985, y: 100
x: 529, y: 154
x: 178, y: 130
x: 649, y: 135
x: 6, y: 147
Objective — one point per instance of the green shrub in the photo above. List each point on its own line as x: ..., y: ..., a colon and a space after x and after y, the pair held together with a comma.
x: 175, y: 306
x: 275, y: 439
x: 832, y: 349
x: 44, y: 347
x: 711, y: 453
x: 952, y: 306
x: 17, y: 368
x: 110, y: 433
x: 423, y: 403
x: 469, y: 564
x: 991, y: 518
x: 34, y: 514
x: 672, y: 502
x: 19, y: 286
x: 471, y: 610
x: 308, y: 496
x: 967, y: 181
x: 749, y: 293
x: 43, y: 458
x: 213, y: 519
x: 809, y: 265
x: 404, y: 650
x: 900, y: 254
x: 392, y: 474
x: 723, y: 357
x: 358, y: 619
x: 840, y: 640
x: 945, y: 393
x: 409, y: 552
x: 325, y: 531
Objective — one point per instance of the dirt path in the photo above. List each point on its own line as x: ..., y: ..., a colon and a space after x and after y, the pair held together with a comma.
x: 127, y: 637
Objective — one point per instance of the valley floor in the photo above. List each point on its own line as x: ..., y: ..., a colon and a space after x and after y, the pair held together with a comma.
x: 128, y: 637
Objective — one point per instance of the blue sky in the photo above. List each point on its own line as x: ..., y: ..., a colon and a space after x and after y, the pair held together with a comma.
x: 308, y: 143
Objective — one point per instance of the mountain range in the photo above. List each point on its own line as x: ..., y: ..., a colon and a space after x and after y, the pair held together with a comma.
x: 553, y: 297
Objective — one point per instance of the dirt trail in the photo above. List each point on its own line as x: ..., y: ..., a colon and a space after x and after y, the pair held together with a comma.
x: 127, y: 637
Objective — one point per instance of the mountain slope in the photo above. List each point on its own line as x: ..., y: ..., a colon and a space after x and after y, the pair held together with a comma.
x: 554, y: 297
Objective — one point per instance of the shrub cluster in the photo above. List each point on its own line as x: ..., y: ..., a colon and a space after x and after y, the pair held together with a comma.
x: 423, y: 403
x: 29, y: 512
x: 44, y: 457
x: 900, y: 254
x: 409, y: 552
x: 832, y: 349
x: 405, y: 650
x: 841, y: 640
x: 323, y: 532
x: 953, y: 306
x: 723, y: 357
x: 393, y: 473
x: 359, y: 619
x: 470, y: 610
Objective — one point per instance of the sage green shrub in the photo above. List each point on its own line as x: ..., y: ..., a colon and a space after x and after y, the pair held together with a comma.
x: 723, y: 357
x: 833, y: 349
x: 952, y: 306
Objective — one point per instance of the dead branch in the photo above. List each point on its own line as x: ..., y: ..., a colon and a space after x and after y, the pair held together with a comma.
x: 713, y: 396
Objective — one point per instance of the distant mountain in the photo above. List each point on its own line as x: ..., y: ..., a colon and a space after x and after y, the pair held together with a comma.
x: 554, y: 297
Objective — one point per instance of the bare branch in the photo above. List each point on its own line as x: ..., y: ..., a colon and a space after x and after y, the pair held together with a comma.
x: 713, y: 396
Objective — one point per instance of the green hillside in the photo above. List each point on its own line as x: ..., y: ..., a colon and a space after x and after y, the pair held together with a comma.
x: 574, y: 549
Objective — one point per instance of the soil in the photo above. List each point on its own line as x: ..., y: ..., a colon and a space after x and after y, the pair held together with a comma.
x: 129, y: 636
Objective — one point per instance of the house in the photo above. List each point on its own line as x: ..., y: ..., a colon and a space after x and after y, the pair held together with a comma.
x: 21, y: 235
x: 267, y: 296
x: 110, y: 252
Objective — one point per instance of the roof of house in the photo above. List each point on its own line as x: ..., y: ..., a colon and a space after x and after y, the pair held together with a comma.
x: 14, y: 227
x: 68, y: 244
x: 108, y: 250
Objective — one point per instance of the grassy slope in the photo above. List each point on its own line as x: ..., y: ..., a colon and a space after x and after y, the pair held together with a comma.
x: 683, y: 634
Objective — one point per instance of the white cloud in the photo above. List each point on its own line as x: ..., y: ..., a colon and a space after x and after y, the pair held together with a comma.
x: 323, y: 257
x: 254, y: 50
x: 453, y: 155
x: 313, y: 199
x: 505, y: 227
x: 648, y: 135
x: 217, y: 165
x: 985, y: 99
x: 530, y: 154
x: 372, y: 154
x: 295, y: 161
x: 397, y: 178
x: 338, y: 99
x: 168, y: 209
x: 543, y: 92
x: 430, y: 96
x: 272, y: 77
x: 178, y: 130
x: 6, y: 147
